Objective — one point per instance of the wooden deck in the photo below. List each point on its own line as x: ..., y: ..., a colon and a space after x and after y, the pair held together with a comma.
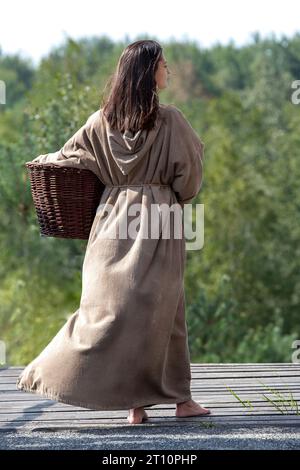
x: 26, y: 411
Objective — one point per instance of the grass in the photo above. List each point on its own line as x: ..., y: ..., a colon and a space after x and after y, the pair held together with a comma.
x: 285, y: 405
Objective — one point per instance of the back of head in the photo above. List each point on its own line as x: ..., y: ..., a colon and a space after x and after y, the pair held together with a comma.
x: 133, y: 102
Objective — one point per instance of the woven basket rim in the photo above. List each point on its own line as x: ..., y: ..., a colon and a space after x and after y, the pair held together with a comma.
x: 51, y: 165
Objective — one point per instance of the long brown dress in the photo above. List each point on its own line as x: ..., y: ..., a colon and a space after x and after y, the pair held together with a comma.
x: 126, y: 345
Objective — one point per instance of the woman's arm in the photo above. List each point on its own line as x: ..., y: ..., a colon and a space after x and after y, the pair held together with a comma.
x: 77, y: 152
x: 187, y: 154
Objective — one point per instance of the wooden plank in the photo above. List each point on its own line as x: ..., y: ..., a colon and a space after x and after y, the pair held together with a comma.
x: 80, y: 415
x: 238, y: 388
x: 72, y: 413
x: 215, y: 378
x: 204, y: 372
x: 212, y: 366
x: 244, y: 375
x: 204, y: 392
x: 240, y: 367
x: 208, y: 375
x: 211, y: 382
x: 211, y: 398
x: 204, y: 364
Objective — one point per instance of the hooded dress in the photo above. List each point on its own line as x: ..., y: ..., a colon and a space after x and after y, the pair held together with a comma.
x: 126, y: 345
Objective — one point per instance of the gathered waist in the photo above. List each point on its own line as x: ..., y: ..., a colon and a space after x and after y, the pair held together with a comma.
x: 129, y: 185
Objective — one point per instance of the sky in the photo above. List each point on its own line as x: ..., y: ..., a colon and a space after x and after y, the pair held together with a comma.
x: 32, y: 27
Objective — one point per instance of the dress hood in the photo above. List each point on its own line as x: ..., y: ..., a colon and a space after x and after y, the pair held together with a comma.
x: 129, y: 148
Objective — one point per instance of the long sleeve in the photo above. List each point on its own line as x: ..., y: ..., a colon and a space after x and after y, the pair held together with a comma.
x: 187, y: 154
x: 77, y: 152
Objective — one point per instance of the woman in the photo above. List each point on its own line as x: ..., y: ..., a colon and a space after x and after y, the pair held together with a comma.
x: 126, y: 345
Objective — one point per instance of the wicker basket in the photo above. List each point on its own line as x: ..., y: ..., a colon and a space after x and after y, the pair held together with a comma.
x: 65, y: 199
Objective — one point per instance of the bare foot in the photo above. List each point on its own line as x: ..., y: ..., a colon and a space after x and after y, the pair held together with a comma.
x: 137, y: 415
x: 190, y: 408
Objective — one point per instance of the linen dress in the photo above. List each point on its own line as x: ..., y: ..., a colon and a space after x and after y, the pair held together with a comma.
x: 126, y: 345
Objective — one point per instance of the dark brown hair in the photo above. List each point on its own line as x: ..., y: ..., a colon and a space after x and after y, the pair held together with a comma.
x: 133, y: 101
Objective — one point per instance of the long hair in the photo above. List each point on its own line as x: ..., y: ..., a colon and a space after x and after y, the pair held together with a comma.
x: 133, y: 101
